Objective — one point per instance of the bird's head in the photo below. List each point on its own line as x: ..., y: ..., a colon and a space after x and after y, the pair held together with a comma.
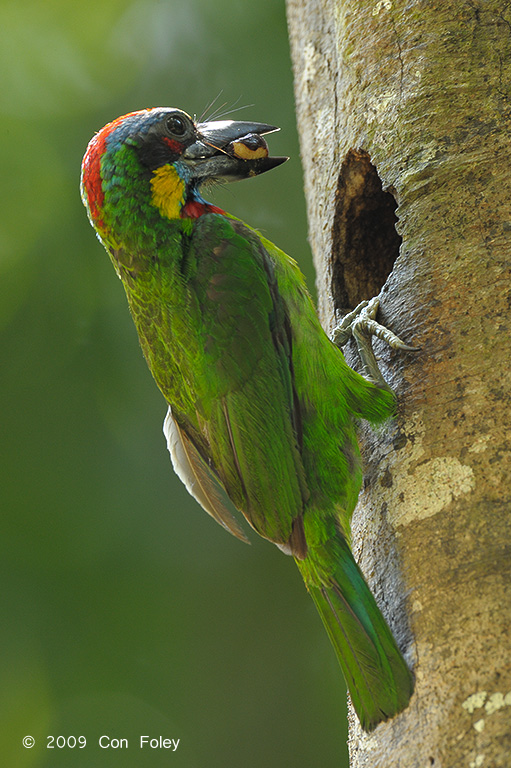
x: 154, y: 162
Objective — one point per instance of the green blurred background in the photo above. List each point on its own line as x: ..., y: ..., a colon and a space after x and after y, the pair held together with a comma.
x: 125, y: 610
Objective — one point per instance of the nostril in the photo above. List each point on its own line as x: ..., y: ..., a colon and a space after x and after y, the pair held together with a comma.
x: 365, y: 242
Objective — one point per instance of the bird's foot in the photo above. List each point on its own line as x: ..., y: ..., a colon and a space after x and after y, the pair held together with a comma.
x: 361, y: 325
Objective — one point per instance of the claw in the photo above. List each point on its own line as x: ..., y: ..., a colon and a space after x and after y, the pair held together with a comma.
x: 361, y: 325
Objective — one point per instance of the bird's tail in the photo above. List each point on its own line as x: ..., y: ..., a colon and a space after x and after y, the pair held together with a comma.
x: 378, y: 679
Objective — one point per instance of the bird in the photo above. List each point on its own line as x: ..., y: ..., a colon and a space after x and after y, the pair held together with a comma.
x: 262, y: 406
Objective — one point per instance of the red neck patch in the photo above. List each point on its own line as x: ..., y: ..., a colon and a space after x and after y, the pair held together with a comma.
x: 193, y: 209
x: 91, y: 168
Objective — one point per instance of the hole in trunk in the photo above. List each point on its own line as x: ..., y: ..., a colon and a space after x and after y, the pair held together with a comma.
x: 366, y: 243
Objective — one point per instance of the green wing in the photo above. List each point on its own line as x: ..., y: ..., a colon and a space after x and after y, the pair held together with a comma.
x: 246, y: 425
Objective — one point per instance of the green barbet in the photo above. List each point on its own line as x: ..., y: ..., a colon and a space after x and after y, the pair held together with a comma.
x: 261, y: 403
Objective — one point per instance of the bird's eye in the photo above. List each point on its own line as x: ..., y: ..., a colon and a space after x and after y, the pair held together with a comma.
x: 176, y: 125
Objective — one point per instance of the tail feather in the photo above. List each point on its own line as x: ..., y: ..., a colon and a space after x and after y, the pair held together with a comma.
x: 378, y: 679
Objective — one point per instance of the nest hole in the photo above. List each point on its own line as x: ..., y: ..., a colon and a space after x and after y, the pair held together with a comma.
x: 366, y: 242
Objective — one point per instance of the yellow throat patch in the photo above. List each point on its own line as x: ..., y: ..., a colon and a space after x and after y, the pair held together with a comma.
x: 168, y: 190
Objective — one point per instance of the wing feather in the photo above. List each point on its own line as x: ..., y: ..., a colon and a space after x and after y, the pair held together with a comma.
x: 194, y: 474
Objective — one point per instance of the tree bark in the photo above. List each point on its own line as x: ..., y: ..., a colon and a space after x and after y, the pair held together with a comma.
x: 408, y: 104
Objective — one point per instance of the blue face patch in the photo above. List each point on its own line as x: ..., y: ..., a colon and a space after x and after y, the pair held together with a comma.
x: 138, y: 124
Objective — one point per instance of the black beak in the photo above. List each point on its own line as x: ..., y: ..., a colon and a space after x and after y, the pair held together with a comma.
x: 230, y: 150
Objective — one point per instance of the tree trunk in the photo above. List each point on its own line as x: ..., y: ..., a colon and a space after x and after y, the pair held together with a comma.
x: 408, y: 104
